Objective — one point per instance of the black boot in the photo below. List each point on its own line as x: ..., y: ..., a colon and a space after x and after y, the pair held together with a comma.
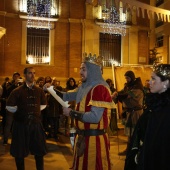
x: 20, y: 163
x: 39, y: 162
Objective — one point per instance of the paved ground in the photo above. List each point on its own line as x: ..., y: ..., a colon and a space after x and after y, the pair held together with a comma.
x: 60, y: 154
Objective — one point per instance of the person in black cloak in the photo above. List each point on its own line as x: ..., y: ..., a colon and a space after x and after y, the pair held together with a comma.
x: 150, y: 144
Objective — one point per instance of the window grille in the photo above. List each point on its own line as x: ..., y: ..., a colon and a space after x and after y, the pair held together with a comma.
x: 37, y: 46
x: 110, y: 49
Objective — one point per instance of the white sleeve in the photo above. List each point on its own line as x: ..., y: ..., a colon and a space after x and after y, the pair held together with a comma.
x: 12, y: 109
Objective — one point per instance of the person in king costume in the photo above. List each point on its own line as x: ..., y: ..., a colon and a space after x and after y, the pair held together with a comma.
x: 93, y: 100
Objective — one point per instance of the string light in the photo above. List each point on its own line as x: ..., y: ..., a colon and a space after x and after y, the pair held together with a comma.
x: 114, y: 21
x: 39, y: 13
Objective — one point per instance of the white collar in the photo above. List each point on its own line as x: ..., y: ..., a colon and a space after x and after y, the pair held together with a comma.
x: 30, y: 87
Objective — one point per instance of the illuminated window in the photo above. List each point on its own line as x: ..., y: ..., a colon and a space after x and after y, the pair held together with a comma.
x: 25, y: 4
x: 38, y: 30
x: 37, y: 46
x: 110, y: 49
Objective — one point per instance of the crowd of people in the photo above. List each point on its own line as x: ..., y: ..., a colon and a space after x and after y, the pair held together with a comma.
x: 28, y: 110
x: 50, y: 115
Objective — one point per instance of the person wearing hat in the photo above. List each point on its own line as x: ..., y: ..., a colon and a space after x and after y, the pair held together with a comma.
x: 150, y: 145
x: 93, y: 99
x: 131, y: 97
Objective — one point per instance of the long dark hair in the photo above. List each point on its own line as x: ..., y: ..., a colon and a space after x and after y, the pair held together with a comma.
x: 48, y: 79
x: 68, y: 86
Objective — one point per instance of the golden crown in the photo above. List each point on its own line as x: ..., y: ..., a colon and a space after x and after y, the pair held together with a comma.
x: 98, y: 60
x: 162, y: 69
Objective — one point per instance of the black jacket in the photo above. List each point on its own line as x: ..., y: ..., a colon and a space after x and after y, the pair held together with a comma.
x: 151, y: 138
